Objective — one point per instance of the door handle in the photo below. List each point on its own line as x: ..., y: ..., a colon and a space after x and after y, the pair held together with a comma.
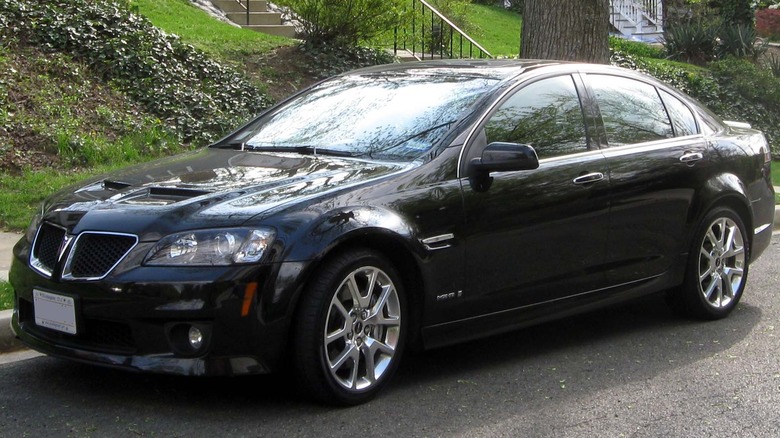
x: 691, y: 157
x: 589, y: 178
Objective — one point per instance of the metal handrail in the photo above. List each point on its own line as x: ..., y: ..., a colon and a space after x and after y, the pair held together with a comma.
x: 241, y: 3
x: 436, y: 41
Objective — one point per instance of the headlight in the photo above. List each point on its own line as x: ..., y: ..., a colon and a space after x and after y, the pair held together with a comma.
x: 211, y: 247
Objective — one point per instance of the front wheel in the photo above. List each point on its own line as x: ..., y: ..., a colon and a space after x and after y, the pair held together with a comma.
x: 717, y: 267
x: 350, y: 329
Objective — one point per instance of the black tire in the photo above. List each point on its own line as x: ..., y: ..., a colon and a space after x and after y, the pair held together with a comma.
x: 346, y: 349
x: 717, y: 268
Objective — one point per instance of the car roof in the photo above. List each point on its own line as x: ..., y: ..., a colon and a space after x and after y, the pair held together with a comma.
x: 490, y: 68
x: 496, y: 69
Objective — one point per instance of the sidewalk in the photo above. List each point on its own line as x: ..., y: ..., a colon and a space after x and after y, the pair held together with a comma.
x: 7, y: 241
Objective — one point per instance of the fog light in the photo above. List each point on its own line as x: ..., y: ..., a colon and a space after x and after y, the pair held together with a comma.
x: 196, y: 337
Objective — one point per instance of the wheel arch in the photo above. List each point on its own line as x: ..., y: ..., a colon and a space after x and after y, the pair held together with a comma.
x: 725, y: 190
x: 391, y: 245
x: 403, y: 258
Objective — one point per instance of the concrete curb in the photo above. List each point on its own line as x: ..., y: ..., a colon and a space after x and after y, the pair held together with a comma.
x: 8, y: 341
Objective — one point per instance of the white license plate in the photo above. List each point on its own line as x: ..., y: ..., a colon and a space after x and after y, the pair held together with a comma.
x: 54, y: 311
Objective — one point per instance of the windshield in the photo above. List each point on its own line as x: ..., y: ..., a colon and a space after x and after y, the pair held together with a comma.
x: 388, y: 117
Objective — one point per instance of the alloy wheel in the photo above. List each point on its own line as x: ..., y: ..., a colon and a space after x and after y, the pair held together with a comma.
x: 721, y: 263
x: 362, y: 329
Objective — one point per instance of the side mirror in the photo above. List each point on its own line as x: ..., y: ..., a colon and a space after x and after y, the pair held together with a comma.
x: 505, y: 157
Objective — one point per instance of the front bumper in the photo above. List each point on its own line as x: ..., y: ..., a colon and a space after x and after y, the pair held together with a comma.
x: 163, y: 364
x: 138, y: 320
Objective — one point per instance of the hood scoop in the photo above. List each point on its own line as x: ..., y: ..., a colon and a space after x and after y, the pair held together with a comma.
x: 115, y: 185
x: 160, y: 196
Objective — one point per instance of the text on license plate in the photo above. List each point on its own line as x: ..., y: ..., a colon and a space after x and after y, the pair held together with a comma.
x: 54, y: 311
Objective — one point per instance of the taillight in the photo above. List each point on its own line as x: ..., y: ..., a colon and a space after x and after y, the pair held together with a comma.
x: 766, y: 151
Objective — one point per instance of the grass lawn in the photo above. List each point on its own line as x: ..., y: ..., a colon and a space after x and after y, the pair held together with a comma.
x: 6, y: 295
x: 198, y: 28
x: 22, y: 194
x: 496, y: 29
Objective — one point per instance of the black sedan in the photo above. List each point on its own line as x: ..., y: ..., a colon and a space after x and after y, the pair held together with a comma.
x: 397, y: 207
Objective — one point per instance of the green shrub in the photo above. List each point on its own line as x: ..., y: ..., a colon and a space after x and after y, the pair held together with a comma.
x: 748, y: 93
x: 736, y: 12
x: 739, y: 41
x: 748, y: 81
x: 735, y: 89
x: 635, y: 48
x: 694, y: 42
x: 345, y: 23
x: 324, y: 61
x: 772, y: 62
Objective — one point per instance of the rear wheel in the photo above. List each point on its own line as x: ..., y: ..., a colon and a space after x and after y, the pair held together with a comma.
x: 717, y: 266
x: 350, y: 328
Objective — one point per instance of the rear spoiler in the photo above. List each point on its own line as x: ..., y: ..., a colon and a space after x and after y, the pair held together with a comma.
x: 734, y: 124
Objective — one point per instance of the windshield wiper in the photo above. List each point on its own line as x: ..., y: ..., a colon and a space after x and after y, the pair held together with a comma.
x: 409, y: 138
x: 303, y: 150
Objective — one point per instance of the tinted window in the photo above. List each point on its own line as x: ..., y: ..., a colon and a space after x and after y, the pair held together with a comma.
x: 631, y: 110
x: 545, y: 115
x: 682, y: 118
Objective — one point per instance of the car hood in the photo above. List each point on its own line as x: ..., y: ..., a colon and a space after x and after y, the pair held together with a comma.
x: 203, y: 189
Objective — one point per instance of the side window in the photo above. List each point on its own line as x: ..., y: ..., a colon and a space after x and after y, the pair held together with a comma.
x: 545, y: 114
x: 682, y: 117
x: 631, y: 110
x: 708, y: 125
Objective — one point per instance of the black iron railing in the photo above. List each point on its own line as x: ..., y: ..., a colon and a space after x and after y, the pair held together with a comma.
x: 427, y: 34
x: 245, y: 5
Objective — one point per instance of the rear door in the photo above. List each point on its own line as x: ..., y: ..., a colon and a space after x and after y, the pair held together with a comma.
x: 656, y: 161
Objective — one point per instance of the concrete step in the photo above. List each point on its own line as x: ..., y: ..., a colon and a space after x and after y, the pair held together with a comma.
x: 285, y: 30
x: 235, y: 6
x: 266, y: 18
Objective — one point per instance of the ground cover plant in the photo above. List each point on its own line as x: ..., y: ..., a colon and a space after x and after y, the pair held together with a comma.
x: 202, y: 99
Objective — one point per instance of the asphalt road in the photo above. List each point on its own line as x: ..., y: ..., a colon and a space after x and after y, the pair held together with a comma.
x: 634, y: 370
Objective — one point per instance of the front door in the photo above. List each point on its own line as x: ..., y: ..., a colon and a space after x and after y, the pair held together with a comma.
x: 540, y: 235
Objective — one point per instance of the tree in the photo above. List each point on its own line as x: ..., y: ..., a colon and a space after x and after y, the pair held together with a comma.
x: 736, y: 12
x: 571, y: 30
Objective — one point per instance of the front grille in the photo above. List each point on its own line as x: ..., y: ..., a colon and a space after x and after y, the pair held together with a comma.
x: 95, y: 254
x: 46, y: 248
x: 109, y: 334
x: 91, y: 257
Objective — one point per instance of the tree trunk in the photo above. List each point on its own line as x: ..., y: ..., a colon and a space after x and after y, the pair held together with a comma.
x: 570, y: 30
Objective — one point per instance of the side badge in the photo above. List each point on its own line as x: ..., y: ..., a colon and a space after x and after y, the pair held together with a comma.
x: 449, y: 296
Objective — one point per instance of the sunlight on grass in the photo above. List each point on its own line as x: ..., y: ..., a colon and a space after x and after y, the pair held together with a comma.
x: 22, y: 194
x: 497, y: 29
x: 198, y: 28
